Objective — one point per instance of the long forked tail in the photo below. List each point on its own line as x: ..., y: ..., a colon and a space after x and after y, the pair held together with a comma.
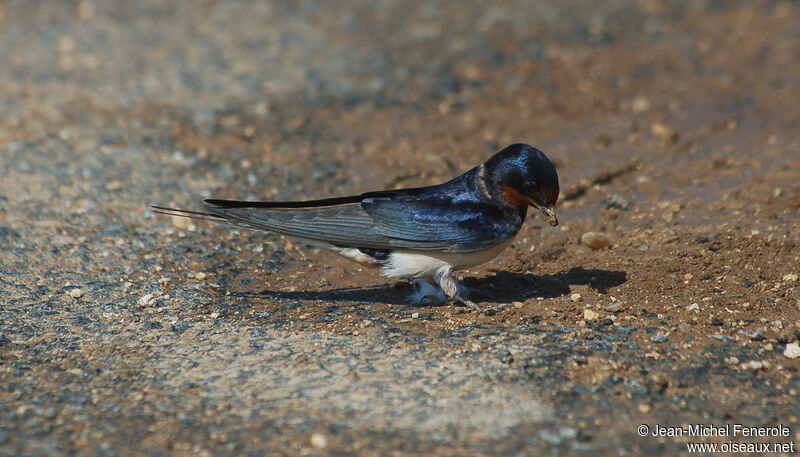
x: 335, y: 221
x: 252, y: 205
x: 175, y: 212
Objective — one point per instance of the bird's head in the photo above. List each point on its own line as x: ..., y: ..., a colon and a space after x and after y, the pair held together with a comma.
x: 525, y: 177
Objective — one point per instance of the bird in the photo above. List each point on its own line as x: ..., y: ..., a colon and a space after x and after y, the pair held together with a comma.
x: 422, y: 233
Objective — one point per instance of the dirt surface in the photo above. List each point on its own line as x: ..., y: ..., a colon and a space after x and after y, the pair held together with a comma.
x: 674, y: 128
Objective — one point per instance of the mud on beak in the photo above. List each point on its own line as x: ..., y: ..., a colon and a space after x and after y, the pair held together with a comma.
x: 547, y: 211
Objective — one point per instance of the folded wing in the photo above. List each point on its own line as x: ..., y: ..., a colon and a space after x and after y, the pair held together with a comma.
x: 378, y: 220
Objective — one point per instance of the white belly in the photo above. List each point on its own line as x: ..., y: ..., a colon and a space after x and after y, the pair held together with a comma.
x: 409, y: 264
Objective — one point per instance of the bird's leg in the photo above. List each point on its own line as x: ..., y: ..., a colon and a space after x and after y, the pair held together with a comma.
x: 449, y: 283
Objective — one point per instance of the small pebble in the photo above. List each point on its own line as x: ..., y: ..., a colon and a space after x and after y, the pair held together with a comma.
x: 414, y: 315
x: 757, y: 334
x: 182, y: 223
x: 612, y: 308
x: 590, y: 315
x: 617, y: 201
x: 644, y: 408
x: 790, y: 277
x: 518, y: 304
x: 664, y: 133
x: 568, y: 433
x: 505, y: 356
x: 660, y: 337
x: 792, y: 351
x: 319, y: 441
x: 753, y: 365
x: 66, y: 44
x: 85, y: 9
x: 640, y: 104
x: 550, y: 438
x: 595, y: 240
x: 693, y: 307
x: 75, y: 293
x: 146, y: 300
x: 668, y: 236
x: 575, y: 297
x: 200, y: 276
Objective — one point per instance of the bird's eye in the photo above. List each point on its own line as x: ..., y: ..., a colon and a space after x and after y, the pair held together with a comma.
x: 530, y: 186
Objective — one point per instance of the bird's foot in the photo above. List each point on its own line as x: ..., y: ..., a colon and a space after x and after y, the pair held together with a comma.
x: 426, y: 294
x: 449, y: 284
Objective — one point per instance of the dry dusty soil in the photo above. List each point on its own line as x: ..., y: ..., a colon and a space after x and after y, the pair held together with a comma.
x: 675, y: 129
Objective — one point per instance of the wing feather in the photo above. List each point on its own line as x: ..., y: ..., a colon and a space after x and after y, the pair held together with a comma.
x: 341, y: 225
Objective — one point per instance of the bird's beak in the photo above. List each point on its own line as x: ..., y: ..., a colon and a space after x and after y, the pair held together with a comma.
x: 547, y: 211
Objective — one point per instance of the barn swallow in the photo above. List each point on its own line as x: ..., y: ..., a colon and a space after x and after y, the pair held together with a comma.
x: 424, y: 233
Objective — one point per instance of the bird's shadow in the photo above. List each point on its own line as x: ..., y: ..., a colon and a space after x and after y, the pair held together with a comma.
x: 502, y: 287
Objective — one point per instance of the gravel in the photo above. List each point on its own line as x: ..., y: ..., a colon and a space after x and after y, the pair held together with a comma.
x: 127, y: 333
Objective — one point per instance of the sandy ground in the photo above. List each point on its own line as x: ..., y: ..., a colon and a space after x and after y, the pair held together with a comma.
x: 674, y: 128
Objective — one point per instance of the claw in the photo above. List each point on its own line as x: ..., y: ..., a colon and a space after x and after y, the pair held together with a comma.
x: 449, y: 284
